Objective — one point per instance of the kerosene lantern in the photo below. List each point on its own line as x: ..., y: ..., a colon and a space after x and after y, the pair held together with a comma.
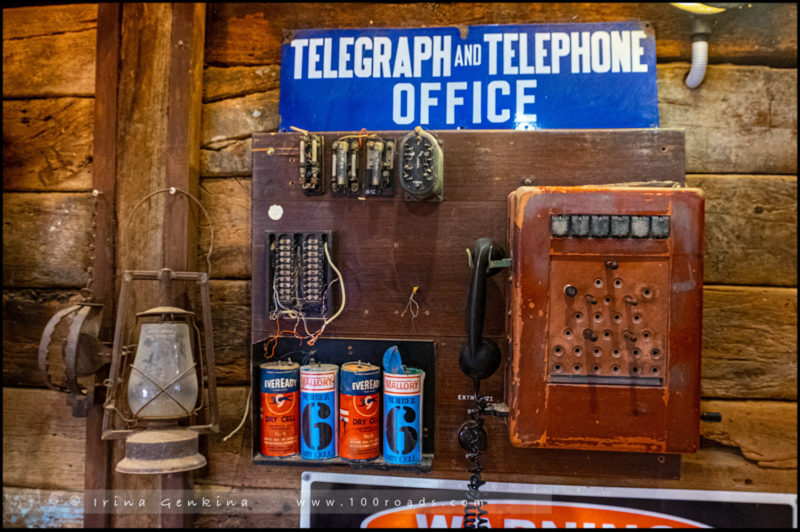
x: 163, y: 384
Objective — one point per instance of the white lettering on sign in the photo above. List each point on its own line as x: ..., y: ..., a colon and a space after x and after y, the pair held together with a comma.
x: 405, y: 109
x: 594, y: 52
x: 471, y: 397
x: 514, y: 53
x: 402, y: 385
x: 280, y: 382
x: 403, y: 114
x: 468, y: 55
x: 369, y: 384
x: 317, y: 382
x: 363, y: 64
x: 453, y: 100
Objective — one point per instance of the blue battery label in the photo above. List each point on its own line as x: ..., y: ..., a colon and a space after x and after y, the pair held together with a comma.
x: 402, y: 418
x: 318, y: 419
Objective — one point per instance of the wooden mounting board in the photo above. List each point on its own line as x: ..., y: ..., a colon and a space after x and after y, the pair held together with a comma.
x: 386, y: 246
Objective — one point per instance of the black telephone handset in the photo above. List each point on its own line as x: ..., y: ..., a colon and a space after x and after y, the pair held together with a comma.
x: 480, y: 357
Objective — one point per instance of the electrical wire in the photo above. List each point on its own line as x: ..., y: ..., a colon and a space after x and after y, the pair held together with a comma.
x: 412, y: 306
x: 316, y: 336
x: 244, y: 417
x: 294, y: 315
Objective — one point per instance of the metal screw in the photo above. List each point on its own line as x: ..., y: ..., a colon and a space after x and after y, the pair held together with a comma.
x: 612, y: 265
x: 570, y: 291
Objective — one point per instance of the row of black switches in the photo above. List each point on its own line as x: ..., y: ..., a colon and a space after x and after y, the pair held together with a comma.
x: 609, y: 226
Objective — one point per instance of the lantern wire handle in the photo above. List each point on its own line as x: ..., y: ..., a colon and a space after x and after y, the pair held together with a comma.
x: 172, y: 191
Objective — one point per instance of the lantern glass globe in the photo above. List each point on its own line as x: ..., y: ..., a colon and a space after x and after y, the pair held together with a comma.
x: 163, y: 380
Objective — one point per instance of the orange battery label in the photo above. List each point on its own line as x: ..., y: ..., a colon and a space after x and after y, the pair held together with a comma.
x: 280, y: 412
x: 359, y: 412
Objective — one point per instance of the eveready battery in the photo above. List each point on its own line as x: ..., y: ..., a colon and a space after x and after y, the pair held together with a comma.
x: 402, y: 416
x: 318, y: 407
x: 280, y: 409
x: 359, y: 411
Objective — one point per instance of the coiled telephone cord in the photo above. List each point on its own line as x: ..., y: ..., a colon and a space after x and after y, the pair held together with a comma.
x: 474, y: 514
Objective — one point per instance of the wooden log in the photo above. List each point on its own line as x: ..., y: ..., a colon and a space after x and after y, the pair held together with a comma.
x: 104, y: 170
x: 183, y: 133
x: 220, y: 83
x: 742, y: 119
x: 237, y: 118
x: 751, y: 229
x: 226, y: 158
x: 278, y: 508
x: 45, y: 239
x: 230, y: 309
x: 749, y: 345
x: 159, y: 115
x: 749, y: 342
x: 714, y: 467
x: 33, y: 21
x: 251, y: 34
x: 764, y: 431
x: 246, y: 508
x: 60, y: 64
x: 142, y: 119
x: 143, y: 125
x: 41, y: 508
x: 43, y: 445
x: 25, y: 314
x: 97, y: 469
x: 749, y: 339
x: 711, y: 468
x: 228, y: 205
x: 47, y: 144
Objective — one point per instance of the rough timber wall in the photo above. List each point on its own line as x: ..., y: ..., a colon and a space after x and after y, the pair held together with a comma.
x: 741, y: 145
x: 48, y: 120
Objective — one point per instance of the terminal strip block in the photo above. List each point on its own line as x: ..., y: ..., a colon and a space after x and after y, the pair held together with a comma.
x: 299, y: 275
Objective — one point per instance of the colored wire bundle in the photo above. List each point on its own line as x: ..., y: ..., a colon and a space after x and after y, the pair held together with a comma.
x: 281, y: 311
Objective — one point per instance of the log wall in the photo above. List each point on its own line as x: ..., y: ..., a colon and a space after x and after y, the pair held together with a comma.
x: 741, y: 149
x: 48, y: 122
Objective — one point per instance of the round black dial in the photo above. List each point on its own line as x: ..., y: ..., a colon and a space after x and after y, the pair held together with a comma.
x: 421, y: 168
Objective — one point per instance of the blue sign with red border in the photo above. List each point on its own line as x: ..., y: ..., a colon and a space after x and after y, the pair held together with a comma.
x: 533, y: 76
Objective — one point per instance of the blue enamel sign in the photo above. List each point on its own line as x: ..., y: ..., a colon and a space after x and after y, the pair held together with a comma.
x: 534, y: 76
